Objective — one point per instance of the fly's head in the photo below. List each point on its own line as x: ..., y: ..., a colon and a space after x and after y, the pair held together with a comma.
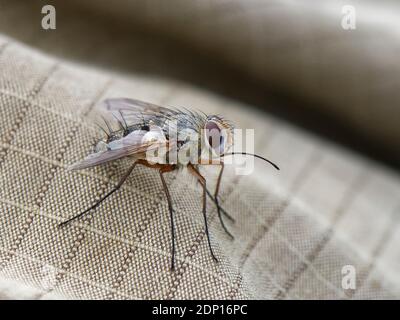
x: 209, y: 138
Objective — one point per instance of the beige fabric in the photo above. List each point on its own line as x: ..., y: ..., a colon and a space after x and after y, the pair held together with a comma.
x: 292, y: 236
x: 295, y: 229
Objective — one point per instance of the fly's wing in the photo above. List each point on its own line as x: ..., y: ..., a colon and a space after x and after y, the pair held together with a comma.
x: 131, y: 110
x: 131, y: 145
x: 126, y: 110
x: 121, y: 109
x: 98, y: 158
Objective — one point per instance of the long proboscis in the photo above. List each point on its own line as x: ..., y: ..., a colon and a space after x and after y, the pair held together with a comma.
x: 254, y: 155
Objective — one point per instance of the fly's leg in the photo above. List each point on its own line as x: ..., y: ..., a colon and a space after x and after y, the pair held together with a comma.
x: 120, y: 183
x: 218, y: 206
x: 216, y: 194
x: 162, y: 169
x: 202, y: 181
x: 171, y: 212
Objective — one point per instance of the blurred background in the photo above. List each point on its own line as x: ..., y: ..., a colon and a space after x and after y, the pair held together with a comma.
x: 295, y: 59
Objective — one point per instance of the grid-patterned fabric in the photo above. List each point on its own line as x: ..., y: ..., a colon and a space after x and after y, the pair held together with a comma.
x: 295, y: 229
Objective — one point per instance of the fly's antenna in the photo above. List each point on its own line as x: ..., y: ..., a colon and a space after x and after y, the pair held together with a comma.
x: 254, y: 155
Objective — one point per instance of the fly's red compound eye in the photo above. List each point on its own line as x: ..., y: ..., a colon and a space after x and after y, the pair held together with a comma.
x: 215, y: 138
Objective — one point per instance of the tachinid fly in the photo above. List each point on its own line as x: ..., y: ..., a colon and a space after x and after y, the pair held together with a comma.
x: 164, y: 139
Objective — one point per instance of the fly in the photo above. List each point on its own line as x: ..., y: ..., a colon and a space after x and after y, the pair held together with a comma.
x: 152, y: 136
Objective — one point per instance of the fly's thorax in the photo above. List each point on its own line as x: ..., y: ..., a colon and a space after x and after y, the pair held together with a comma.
x: 188, y: 145
x: 156, y: 136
